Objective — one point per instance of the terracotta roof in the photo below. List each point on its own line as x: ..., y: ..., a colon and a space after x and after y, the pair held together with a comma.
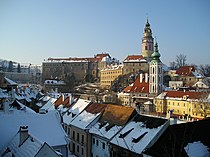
x: 62, y: 101
x: 66, y: 102
x: 134, y: 57
x: 59, y: 101
x: 117, y: 115
x: 98, y: 57
x: 95, y: 108
x: 138, y: 87
x: 185, y: 71
x: 127, y: 89
x: 102, y: 55
x: 180, y: 94
x: 71, y: 59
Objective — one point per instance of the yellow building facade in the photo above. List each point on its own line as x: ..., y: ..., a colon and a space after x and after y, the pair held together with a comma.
x: 109, y: 74
x: 184, y: 105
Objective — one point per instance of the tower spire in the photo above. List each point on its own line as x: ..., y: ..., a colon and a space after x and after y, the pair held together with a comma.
x: 147, y: 41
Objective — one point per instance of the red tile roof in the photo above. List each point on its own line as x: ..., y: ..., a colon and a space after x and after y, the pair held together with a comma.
x: 127, y: 89
x: 189, y: 94
x: 98, y: 57
x: 95, y: 108
x: 59, y: 101
x: 66, y: 102
x: 118, y: 115
x: 185, y: 71
x: 102, y: 55
x: 134, y: 57
x: 138, y: 87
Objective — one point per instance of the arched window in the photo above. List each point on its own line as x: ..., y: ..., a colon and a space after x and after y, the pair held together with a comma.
x: 145, y: 47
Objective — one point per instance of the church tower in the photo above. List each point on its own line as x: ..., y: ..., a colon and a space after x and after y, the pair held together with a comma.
x: 155, y: 73
x: 147, y: 42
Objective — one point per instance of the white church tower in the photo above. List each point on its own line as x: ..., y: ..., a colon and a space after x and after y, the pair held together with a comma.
x: 155, y: 73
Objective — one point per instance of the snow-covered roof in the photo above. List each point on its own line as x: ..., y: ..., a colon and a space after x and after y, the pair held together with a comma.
x: 196, y: 149
x: 91, y: 113
x: 49, y: 105
x: 197, y: 75
x: 78, y: 107
x: 138, y: 133
x: 25, y: 108
x: 30, y: 147
x: 3, y: 94
x: 46, y: 127
x: 112, y: 120
x: 84, y: 119
x: 58, y: 82
x: 10, y: 81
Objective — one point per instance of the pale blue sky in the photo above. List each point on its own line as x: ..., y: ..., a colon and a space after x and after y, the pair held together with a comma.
x: 34, y: 30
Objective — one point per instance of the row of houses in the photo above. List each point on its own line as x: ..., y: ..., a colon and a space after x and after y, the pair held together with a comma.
x: 91, y: 129
x: 119, y: 131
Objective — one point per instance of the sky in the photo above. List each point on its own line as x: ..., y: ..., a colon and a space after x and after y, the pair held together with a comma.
x: 34, y: 30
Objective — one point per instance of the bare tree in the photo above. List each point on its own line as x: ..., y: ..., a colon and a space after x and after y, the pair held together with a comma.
x: 172, y: 65
x: 181, y: 60
x: 205, y: 69
x: 203, y: 106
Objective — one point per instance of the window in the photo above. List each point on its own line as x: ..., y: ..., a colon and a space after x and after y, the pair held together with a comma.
x: 73, y: 135
x: 103, y: 145
x: 82, y: 151
x: 77, y: 136
x: 145, y: 47
x: 93, y: 140
x: 97, y: 142
x: 177, y: 104
x: 68, y: 130
x: 82, y: 138
x: 78, y: 149
x: 73, y: 147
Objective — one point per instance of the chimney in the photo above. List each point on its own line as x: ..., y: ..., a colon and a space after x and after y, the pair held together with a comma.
x: 23, y: 134
x: 146, y: 77
x: 141, y: 78
x: 6, y: 107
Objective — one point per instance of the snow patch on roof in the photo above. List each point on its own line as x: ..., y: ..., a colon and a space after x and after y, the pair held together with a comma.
x: 104, y: 131
x: 72, y: 113
x: 135, y: 136
x: 46, y: 127
x: 84, y: 119
x: 197, y: 149
x: 10, y: 81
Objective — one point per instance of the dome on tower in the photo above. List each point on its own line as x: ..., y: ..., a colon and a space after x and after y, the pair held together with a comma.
x: 156, y: 55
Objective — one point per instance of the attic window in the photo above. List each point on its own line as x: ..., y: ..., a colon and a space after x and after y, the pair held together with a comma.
x: 68, y: 113
x: 109, y: 127
x: 125, y: 134
x: 136, y: 140
x: 102, y: 124
x: 73, y: 114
